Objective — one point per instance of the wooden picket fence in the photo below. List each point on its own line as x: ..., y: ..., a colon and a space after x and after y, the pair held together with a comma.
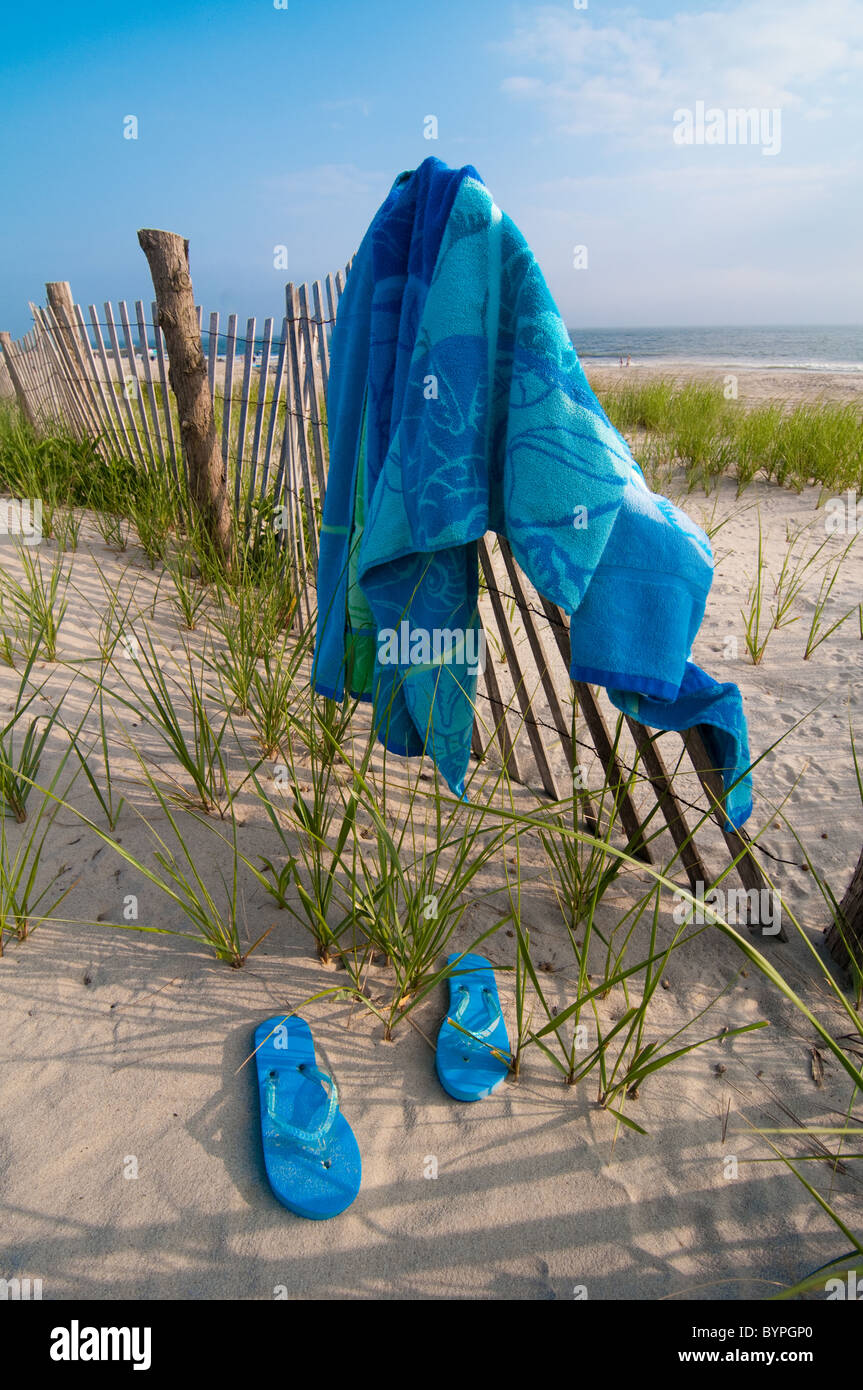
x: 7, y: 390
x: 107, y: 379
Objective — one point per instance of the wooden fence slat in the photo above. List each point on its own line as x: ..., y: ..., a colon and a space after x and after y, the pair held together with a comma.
x: 281, y: 479
x: 298, y: 493
x: 38, y: 394
x: 20, y: 353
x: 213, y: 354
x: 82, y: 381
x: 78, y: 417
x: 228, y: 403
x: 537, y: 649
x: 675, y: 819
x: 118, y: 423
x: 121, y: 380
x: 41, y: 373
x: 301, y: 313
x: 263, y: 383
x: 540, y: 657
x: 149, y: 452
x: 95, y: 376
x: 286, y: 487
x: 61, y: 308
x: 525, y: 700
x: 298, y: 436
x: 500, y: 725
x: 164, y: 381
x: 7, y: 389
x: 14, y: 369
x: 274, y: 409
x: 598, y: 732
x: 738, y: 841
x: 60, y: 353
x: 81, y: 361
x: 334, y: 294
x: 144, y: 345
x: 38, y: 399
x: 323, y: 341
x: 308, y: 392
x: 248, y: 359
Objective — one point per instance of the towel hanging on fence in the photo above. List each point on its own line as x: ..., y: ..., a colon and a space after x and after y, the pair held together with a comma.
x: 457, y: 405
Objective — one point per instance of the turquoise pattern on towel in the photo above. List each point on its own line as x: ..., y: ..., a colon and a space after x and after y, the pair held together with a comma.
x: 478, y: 417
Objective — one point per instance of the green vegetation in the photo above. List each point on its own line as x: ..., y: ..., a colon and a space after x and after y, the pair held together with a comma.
x: 709, y: 436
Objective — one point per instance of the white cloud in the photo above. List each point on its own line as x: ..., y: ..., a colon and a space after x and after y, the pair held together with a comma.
x: 624, y: 77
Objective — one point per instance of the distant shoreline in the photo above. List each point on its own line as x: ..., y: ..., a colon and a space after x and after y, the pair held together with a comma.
x: 726, y: 364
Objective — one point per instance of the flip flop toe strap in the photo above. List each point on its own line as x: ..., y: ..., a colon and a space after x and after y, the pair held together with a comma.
x: 491, y: 1004
x: 309, y: 1138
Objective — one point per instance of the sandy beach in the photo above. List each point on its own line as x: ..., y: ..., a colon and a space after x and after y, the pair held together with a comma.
x: 754, y: 385
x: 129, y: 1144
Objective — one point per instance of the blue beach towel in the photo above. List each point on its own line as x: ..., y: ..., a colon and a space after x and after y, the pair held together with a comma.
x: 457, y: 405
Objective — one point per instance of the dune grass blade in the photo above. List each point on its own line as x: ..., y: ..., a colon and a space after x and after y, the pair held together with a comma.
x: 792, y: 577
x: 522, y: 1017
x: 813, y: 1280
x: 272, y: 695
x: 189, y: 597
x: 17, y: 769
x: 23, y: 902
x: 817, y: 632
x: 421, y: 882
x: 320, y: 852
x: 39, y: 601
x: 756, y: 640
x: 21, y: 906
x: 201, y: 752
x: 111, y: 807
x: 154, y: 507
x: 217, y: 924
x: 67, y: 529
x: 717, y: 920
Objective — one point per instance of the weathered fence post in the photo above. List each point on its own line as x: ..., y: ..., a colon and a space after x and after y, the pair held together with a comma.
x: 168, y: 258
x: 59, y: 294
x: 61, y: 311
x: 20, y: 393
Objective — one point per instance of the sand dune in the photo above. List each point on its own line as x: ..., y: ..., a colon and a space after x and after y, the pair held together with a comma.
x: 120, y: 1046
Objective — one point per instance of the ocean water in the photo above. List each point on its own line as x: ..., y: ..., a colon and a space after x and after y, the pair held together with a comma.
x: 804, y: 349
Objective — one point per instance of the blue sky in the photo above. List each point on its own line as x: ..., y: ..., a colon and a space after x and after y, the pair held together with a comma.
x: 260, y: 127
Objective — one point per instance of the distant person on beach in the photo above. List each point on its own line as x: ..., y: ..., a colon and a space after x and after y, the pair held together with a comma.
x: 628, y: 361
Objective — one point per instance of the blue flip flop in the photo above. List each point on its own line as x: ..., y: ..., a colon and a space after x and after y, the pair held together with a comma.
x: 473, y: 1055
x: 312, y: 1158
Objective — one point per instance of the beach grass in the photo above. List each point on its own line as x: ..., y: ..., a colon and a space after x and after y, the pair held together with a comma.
x: 37, y: 602
x: 697, y: 427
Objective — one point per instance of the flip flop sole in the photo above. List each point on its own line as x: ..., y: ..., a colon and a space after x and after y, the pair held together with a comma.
x: 467, y: 1070
x: 314, y: 1185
